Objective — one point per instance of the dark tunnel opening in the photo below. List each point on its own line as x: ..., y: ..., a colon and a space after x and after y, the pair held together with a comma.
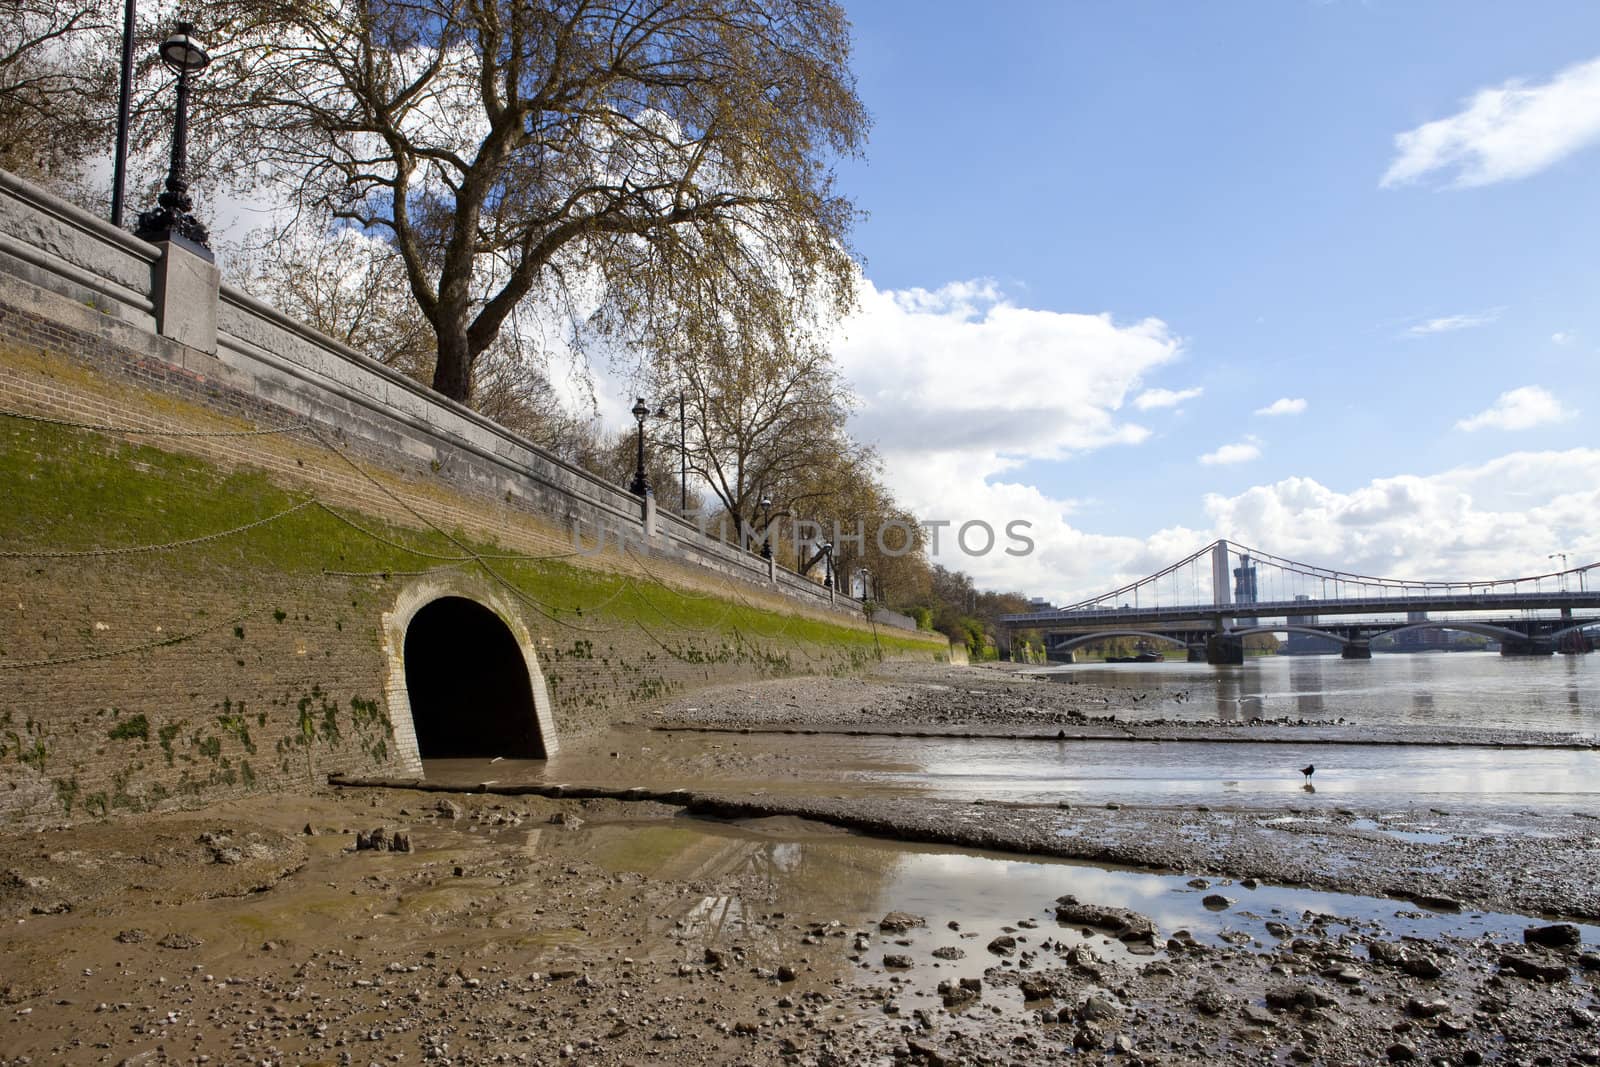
x: 468, y: 684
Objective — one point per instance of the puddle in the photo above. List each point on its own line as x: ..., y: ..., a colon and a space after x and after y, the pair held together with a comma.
x: 1416, y: 837
x: 840, y: 885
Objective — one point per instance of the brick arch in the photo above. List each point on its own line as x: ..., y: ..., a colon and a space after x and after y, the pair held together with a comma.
x: 457, y: 625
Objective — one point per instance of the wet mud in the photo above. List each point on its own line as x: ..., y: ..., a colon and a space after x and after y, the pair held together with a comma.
x: 775, y: 923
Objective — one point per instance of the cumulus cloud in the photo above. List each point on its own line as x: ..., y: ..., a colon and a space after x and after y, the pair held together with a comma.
x: 1284, y: 406
x: 1518, y: 409
x: 1151, y: 399
x: 1449, y: 323
x: 1491, y: 520
x: 1238, y: 452
x: 1504, y: 133
x: 958, y: 385
x: 1563, y: 337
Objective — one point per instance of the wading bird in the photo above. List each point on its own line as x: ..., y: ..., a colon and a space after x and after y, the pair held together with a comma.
x: 1308, y: 770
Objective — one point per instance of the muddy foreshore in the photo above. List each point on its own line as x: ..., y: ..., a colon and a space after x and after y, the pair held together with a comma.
x: 561, y: 929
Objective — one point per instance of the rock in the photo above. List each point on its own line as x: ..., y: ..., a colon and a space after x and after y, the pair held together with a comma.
x: 898, y: 922
x: 1538, y: 970
x: 949, y: 952
x: 133, y: 936
x: 448, y: 809
x: 1198, y: 883
x: 400, y: 842
x: 1421, y: 967
x: 1451, y: 1028
x: 567, y: 819
x: 785, y: 973
x: 897, y: 960
x: 179, y: 940
x: 1589, y: 961
x: 1297, y: 995
x: 1095, y: 1009
x: 1426, y: 1009
x: 1087, y: 1038
x: 1004, y: 945
x: 1400, y: 1052
x: 1216, y: 902
x: 1582, y: 1018
x: 1035, y: 989
x: 1259, y: 1016
x: 1386, y: 952
x: 1278, y: 929
x: 716, y: 958
x: 1439, y: 903
x: 1211, y: 1001
x: 1126, y: 925
x: 1556, y: 935
x: 309, y: 831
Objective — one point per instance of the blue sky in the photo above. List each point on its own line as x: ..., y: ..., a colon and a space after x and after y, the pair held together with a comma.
x: 1220, y: 169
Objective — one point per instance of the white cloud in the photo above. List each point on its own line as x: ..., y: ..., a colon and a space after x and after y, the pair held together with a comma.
x: 958, y: 385
x: 1449, y: 323
x: 1519, y: 409
x: 1563, y: 337
x: 1504, y: 133
x: 1493, y: 520
x: 1284, y: 406
x: 1238, y: 452
x: 1164, y: 398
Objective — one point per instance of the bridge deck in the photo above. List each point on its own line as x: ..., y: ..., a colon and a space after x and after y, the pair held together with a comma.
x: 1377, y: 605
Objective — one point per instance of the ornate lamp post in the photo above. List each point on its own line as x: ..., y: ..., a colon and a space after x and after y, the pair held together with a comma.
x: 827, y: 564
x: 866, y: 584
x: 182, y: 54
x: 766, y: 526
x: 641, y: 484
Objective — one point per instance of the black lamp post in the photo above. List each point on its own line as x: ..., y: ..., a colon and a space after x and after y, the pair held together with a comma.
x: 641, y: 484
x: 866, y: 583
x: 182, y: 54
x: 766, y: 526
x: 827, y: 564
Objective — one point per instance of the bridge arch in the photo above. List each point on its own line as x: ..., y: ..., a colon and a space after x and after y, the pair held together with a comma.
x: 463, y: 678
x: 1287, y: 628
x: 1482, y: 629
x: 1591, y: 624
x: 1079, y: 640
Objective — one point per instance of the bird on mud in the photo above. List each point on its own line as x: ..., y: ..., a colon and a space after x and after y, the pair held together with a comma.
x: 1308, y: 770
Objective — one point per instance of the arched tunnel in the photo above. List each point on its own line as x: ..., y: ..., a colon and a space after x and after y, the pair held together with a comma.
x: 468, y: 684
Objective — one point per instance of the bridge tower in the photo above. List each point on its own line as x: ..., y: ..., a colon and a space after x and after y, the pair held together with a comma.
x: 1219, y: 574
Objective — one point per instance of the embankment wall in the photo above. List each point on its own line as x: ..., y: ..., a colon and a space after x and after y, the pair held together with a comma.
x: 208, y: 559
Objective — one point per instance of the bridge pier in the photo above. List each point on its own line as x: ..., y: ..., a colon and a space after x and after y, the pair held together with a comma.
x: 1356, y: 650
x: 1224, y: 650
x: 1528, y: 646
x: 1197, y: 654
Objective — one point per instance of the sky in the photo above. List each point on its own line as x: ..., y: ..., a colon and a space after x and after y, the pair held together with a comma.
x: 1317, y: 277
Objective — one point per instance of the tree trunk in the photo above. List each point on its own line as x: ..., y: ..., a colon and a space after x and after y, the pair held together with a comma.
x: 452, y: 374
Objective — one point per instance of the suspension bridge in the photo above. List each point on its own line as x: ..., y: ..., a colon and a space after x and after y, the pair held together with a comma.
x: 1210, y: 600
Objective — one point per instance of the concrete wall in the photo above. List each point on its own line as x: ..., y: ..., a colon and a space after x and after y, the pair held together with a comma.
x: 256, y: 645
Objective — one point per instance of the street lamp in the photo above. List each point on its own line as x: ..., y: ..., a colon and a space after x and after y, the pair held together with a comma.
x: 866, y: 583
x: 641, y: 484
x: 683, y: 454
x: 766, y: 526
x: 827, y: 564
x: 182, y: 53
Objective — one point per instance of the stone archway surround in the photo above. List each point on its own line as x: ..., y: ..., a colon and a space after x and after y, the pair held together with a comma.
x: 397, y: 621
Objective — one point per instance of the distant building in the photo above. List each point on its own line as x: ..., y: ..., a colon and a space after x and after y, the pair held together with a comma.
x: 1244, y: 589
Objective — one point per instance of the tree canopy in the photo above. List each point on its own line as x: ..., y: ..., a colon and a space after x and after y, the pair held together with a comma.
x: 602, y: 153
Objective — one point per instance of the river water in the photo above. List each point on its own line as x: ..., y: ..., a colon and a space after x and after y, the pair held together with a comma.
x: 1554, y: 693
x: 1440, y: 691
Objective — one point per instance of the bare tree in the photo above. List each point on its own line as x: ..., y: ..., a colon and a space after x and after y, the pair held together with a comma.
x: 57, y: 88
x: 588, y: 151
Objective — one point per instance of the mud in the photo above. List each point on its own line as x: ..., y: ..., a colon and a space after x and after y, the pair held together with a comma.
x: 742, y: 927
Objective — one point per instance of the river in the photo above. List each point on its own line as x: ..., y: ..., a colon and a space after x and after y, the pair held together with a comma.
x: 1560, y: 694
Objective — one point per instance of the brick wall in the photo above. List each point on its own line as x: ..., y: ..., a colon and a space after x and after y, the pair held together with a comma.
x: 267, y: 658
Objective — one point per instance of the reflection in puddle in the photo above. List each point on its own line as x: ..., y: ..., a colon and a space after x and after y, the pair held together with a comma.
x: 967, y: 898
